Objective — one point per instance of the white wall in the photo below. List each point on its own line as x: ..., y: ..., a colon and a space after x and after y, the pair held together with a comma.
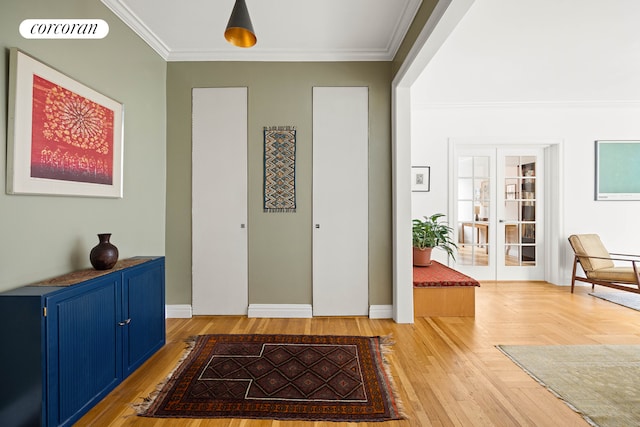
x: 577, y: 127
x: 523, y: 70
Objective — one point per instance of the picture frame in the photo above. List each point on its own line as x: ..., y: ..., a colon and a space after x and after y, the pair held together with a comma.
x: 63, y: 138
x: 510, y: 192
x: 617, y: 176
x: 420, y: 178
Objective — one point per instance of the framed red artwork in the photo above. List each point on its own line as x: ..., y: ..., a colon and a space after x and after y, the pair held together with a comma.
x: 64, y: 138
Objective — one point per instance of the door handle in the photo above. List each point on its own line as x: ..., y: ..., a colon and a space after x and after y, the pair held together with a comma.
x: 126, y: 322
x: 317, y: 225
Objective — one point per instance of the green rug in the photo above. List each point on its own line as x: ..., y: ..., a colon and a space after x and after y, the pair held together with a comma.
x: 600, y: 382
x: 627, y: 299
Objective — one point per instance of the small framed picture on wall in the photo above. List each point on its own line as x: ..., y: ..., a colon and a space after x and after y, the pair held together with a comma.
x: 420, y: 178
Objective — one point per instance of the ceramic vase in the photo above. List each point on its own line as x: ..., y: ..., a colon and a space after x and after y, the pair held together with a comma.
x: 104, y: 255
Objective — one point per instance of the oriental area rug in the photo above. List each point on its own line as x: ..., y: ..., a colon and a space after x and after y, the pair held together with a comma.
x: 283, y: 377
x: 600, y: 382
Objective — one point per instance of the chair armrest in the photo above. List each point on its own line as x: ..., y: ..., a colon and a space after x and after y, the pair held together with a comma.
x: 635, y: 263
x: 626, y: 255
x: 612, y: 258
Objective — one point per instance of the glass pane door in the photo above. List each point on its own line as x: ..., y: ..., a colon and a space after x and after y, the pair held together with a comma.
x: 498, y: 197
x: 474, y: 201
x: 520, y: 216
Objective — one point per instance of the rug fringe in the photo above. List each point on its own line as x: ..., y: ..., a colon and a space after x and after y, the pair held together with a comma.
x: 386, y: 350
x: 277, y: 128
x: 279, y: 210
x: 142, y: 407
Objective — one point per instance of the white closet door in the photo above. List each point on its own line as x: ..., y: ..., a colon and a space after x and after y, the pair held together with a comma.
x: 340, y: 201
x: 219, y: 201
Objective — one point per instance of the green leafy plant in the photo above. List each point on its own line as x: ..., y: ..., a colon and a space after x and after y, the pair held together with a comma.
x: 433, y: 233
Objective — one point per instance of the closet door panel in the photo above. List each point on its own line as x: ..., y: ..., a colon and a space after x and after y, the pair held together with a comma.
x: 219, y: 201
x: 340, y: 201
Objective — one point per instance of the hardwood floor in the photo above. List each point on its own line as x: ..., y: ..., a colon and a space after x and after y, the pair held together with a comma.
x: 447, y: 370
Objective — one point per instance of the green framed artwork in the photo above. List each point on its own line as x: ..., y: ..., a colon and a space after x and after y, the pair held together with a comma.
x: 617, y: 167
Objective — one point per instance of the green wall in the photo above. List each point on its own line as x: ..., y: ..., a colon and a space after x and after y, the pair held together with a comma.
x: 279, y: 244
x: 43, y: 236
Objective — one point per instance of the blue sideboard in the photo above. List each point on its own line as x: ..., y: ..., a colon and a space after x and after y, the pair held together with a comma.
x: 67, y: 342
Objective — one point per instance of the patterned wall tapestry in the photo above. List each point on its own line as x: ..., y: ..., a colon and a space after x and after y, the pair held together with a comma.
x: 280, y: 169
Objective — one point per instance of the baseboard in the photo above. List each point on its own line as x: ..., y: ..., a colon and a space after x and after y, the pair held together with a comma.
x: 280, y: 310
x: 381, y: 311
x: 184, y: 311
x: 178, y: 311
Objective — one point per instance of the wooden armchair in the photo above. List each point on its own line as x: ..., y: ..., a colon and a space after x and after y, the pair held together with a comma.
x: 619, y: 271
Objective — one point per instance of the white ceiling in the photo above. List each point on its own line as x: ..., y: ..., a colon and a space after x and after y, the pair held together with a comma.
x: 287, y: 30
x: 537, y: 52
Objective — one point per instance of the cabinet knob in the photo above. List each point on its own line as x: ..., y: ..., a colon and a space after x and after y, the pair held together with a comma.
x: 126, y: 322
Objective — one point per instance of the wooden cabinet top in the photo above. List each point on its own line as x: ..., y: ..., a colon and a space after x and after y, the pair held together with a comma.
x: 90, y: 273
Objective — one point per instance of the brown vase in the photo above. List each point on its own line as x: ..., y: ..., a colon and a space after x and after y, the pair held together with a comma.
x: 422, y: 257
x: 104, y: 255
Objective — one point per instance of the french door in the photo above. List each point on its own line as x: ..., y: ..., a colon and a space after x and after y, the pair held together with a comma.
x: 499, y: 212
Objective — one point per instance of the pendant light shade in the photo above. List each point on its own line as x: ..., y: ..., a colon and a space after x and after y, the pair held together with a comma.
x: 239, y: 30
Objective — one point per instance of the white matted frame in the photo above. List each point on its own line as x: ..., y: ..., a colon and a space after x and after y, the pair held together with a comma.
x: 420, y: 178
x: 617, y: 173
x: 64, y: 138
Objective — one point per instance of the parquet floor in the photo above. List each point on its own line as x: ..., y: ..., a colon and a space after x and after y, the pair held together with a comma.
x: 447, y: 370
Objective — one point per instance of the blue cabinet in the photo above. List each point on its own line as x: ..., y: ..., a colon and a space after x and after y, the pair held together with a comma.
x: 69, y: 341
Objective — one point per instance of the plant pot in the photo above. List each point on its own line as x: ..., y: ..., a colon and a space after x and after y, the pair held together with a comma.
x: 422, y: 257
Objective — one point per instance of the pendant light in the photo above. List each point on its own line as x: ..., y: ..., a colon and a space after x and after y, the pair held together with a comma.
x: 239, y: 30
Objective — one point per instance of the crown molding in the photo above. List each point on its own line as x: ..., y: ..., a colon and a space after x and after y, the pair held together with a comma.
x: 402, y: 27
x: 277, y: 55
x: 526, y: 104
x: 132, y: 20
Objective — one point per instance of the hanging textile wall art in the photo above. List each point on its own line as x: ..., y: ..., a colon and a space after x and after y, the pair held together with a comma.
x: 280, y: 169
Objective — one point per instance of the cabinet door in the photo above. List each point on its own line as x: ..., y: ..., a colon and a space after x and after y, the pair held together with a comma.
x: 143, y: 306
x: 84, y: 347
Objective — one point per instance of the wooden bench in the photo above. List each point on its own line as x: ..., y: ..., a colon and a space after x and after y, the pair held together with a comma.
x: 440, y: 291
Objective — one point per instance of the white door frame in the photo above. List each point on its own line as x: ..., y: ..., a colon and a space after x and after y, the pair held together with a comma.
x: 445, y: 17
x: 496, y: 269
x: 553, y: 181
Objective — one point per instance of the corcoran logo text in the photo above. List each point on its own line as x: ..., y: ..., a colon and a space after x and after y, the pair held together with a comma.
x: 64, y: 29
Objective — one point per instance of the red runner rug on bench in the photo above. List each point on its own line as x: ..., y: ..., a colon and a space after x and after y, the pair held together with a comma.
x: 440, y: 275
x: 287, y: 377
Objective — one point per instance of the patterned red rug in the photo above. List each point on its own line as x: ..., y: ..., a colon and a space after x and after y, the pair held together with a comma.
x: 287, y: 377
x: 440, y: 275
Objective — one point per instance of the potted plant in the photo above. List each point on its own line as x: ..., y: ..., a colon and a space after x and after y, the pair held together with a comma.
x: 428, y: 234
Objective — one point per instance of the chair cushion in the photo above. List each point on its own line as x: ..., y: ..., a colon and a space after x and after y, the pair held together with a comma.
x: 590, y: 245
x: 613, y: 274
